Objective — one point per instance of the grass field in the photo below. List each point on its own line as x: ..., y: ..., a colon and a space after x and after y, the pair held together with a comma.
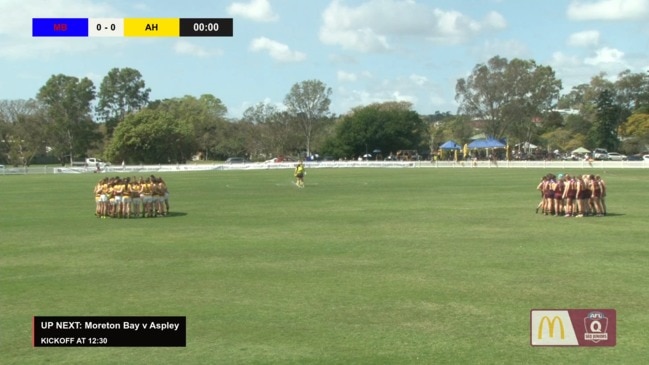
x: 363, y: 266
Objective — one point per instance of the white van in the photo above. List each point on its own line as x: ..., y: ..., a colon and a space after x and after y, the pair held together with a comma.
x: 600, y: 154
x: 92, y: 162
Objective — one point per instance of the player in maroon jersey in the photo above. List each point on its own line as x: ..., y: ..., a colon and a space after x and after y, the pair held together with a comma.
x: 548, y: 194
x: 569, y: 195
x: 558, y: 187
x: 596, y: 195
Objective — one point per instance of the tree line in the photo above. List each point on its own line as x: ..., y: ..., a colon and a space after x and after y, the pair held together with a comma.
x: 514, y: 99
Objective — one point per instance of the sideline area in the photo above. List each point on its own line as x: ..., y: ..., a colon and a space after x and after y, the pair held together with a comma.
x: 138, y: 169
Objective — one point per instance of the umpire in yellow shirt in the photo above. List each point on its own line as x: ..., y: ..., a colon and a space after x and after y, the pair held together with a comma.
x: 299, y: 174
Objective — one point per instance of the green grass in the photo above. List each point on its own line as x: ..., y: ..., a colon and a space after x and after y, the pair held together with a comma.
x: 363, y: 266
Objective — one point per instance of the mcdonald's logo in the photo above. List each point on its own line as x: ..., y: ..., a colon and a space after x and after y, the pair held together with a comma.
x: 552, y: 328
x: 551, y: 323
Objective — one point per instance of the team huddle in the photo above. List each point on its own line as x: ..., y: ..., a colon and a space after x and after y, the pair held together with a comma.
x: 117, y: 197
x: 572, y: 196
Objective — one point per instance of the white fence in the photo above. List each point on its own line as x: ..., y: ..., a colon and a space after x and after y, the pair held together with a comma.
x: 153, y: 169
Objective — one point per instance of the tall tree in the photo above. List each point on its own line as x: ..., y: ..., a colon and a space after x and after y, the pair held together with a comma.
x: 632, y: 90
x: 122, y: 91
x: 67, y: 101
x: 504, y: 94
x: 309, y: 102
x: 604, y: 131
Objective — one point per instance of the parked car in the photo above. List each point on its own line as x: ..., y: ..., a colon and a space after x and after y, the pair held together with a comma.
x: 635, y: 158
x: 571, y: 157
x: 645, y: 157
x: 281, y: 159
x: 614, y: 156
x: 233, y: 160
x: 285, y: 159
x: 600, y: 154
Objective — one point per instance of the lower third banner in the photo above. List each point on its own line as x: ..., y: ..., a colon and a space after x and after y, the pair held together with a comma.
x: 108, y: 331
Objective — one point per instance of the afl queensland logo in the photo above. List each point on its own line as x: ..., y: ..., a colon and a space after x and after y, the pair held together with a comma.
x: 596, y: 324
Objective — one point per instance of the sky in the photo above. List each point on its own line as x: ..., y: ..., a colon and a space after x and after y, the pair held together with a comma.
x: 366, y: 51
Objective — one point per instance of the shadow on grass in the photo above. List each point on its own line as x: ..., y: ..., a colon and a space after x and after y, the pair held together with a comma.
x: 173, y: 214
x: 607, y: 215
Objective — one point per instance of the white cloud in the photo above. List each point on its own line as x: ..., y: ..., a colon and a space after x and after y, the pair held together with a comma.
x: 397, y: 96
x: 346, y: 76
x: 574, y: 70
x: 416, y: 89
x: 257, y: 10
x: 503, y: 48
x: 278, y: 51
x: 419, y: 80
x: 495, y: 20
x: 605, y: 55
x: 141, y: 6
x: 188, y: 48
x: 16, y: 15
x: 561, y: 60
x: 608, y: 10
x: 16, y: 40
x: 584, y: 39
x: 373, y: 25
x: 342, y: 59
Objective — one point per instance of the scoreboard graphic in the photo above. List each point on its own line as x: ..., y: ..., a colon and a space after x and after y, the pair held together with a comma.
x: 132, y: 27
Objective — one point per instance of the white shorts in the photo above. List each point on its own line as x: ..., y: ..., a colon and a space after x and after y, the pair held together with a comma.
x: 147, y: 199
x: 118, y: 198
x: 103, y: 198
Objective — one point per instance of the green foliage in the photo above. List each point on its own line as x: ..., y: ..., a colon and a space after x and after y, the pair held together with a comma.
x: 122, y: 91
x: 603, y: 133
x: 563, y: 139
x: 23, y: 131
x: 637, y: 125
x: 503, y: 95
x: 457, y: 128
x: 206, y: 115
x: 277, y: 133
x: 577, y: 124
x: 152, y: 136
x: 389, y: 127
x: 629, y: 92
x: 636, y: 131
x: 632, y: 90
x: 67, y: 102
x: 507, y: 95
